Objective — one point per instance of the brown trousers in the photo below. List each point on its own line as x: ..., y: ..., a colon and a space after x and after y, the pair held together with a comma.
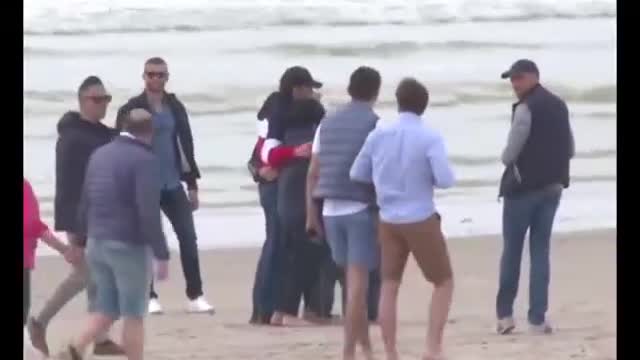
x: 424, y: 240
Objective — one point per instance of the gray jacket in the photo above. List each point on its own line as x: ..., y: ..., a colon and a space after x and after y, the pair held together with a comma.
x: 121, y: 196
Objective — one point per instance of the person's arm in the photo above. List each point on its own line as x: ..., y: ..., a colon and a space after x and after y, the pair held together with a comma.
x: 443, y: 176
x: 520, y: 128
x: 53, y: 242
x: 273, y: 153
x: 69, y: 165
x: 147, y: 200
x: 191, y: 177
x: 313, y: 174
x: 572, y: 142
x: 362, y: 168
x: 79, y: 238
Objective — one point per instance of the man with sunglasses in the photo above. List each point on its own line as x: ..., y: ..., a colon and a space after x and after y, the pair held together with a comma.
x: 79, y: 134
x: 173, y: 146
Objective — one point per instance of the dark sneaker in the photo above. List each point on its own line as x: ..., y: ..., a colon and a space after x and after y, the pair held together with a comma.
x: 37, y: 336
x: 108, y: 348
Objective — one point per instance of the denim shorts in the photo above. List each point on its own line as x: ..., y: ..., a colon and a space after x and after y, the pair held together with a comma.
x: 353, y: 239
x: 121, y: 275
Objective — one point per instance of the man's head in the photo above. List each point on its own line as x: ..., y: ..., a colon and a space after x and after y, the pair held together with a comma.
x: 156, y: 75
x: 364, y: 84
x: 139, y: 124
x: 412, y: 96
x: 298, y: 83
x: 93, y: 99
x: 524, y: 76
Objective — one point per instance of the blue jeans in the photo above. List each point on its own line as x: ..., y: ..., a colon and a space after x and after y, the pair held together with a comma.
x: 534, y: 211
x: 266, y: 283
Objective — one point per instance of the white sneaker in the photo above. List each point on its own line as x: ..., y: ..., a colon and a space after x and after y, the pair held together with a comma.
x: 505, y: 326
x: 154, y: 307
x: 200, y: 305
x: 543, y: 329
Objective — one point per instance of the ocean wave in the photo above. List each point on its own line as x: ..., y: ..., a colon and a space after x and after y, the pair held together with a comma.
x: 101, y: 16
x: 240, y: 100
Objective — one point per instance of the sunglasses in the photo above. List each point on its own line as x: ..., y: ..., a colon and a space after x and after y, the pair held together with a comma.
x: 99, y: 99
x: 156, y: 74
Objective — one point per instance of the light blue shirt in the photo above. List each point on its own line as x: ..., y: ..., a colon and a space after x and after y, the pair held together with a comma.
x: 405, y: 161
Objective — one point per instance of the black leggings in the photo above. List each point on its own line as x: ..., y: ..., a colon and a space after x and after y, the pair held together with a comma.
x: 301, y: 264
x: 26, y: 294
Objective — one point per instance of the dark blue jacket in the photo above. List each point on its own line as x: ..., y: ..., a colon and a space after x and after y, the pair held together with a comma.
x: 121, y: 197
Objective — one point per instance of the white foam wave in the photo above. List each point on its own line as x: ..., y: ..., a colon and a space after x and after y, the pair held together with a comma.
x: 99, y: 16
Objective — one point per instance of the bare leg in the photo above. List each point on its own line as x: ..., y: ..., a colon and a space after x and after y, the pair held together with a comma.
x: 356, y: 328
x: 388, y: 316
x: 97, y: 324
x: 133, y: 338
x: 438, y: 315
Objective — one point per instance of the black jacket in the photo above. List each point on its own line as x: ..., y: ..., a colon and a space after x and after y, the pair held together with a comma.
x: 183, y: 139
x: 77, y: 139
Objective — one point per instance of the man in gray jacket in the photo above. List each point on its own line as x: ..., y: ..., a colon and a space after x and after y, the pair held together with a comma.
x: 120, y: 216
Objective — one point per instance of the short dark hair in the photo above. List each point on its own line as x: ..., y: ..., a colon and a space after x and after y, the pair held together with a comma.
x: 138, y: 122
x: 412, y: 96
x: 364, y: 83
x: 155, y: 61
x: 89, y: 82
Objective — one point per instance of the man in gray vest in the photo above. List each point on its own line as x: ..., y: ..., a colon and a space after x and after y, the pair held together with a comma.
x: 348, y: 212
x: 537, y: 156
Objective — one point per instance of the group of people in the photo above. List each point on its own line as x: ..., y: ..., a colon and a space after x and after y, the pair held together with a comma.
x: 346, y: 200
x: 111, y: 186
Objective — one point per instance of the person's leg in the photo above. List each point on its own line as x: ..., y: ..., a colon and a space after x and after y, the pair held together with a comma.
x: 363, y: 256
x: 288, y: 298
x: 336, y: 237
x: 429, y: 248
x: 516, y: 214
x: 269, y: 269
x: 26, y: 294
x: 394, y: 253
x: 132, y: 298
x: 103, y: 306
x: 177, y: 208
x: 373, y: 294
x: 539, y: 244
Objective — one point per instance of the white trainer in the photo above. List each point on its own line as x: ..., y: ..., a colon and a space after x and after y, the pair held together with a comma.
x: 543, y: 329
x: 154, y: 307
x: 200, y: 305
x: 505, y: 326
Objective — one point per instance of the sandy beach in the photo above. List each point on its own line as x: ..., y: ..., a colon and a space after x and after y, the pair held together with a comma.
x: 582, y: 308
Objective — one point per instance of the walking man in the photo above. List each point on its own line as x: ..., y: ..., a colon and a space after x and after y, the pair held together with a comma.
x: 405, y: 161
x: 349, y: 214
x: 79, y: 134
x: 537, y: 155
x: 173, y: 146
x: 120, y: 215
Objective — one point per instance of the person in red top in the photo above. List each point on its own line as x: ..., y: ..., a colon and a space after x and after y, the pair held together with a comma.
x: 33, y: 229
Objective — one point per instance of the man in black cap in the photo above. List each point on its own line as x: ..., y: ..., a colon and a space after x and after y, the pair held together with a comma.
x: 536, y: 157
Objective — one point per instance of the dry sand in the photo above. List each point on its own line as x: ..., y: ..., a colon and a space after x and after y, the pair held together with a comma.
x: 582, y: 307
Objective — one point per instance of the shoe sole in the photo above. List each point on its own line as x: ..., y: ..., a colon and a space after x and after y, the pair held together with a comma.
x: 506, y: 331
x: 210, y: 312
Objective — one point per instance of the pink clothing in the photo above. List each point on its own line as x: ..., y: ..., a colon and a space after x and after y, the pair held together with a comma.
x: 33, y: 228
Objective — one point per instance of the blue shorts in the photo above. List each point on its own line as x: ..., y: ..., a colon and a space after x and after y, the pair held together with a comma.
x: 353, y: 239
x: 120, y: 274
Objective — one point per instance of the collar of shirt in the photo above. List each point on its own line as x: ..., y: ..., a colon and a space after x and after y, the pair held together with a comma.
x: 127, y: 134
x: 408, y: 117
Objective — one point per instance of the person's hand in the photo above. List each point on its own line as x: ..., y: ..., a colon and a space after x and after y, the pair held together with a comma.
x: 162, y: 270
x: 303, y: 151
x: 74, y: 255
x: 268, y: 173
x: 313, y: 227
x: 193, y: 199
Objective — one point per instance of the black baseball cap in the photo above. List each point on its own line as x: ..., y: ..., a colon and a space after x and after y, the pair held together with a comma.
x: 521, y: 66
x: 299, y: 76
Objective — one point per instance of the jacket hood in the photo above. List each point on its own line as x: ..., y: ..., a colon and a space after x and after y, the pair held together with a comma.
x: 267, y: 106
